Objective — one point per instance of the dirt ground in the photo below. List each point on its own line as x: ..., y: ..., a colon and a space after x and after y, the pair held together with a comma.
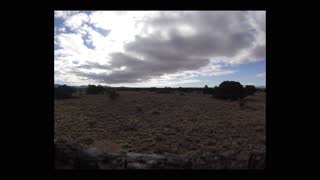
x: 148, y: 122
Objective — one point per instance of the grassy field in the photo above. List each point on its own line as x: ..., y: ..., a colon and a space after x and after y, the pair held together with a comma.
x: 148, y: 122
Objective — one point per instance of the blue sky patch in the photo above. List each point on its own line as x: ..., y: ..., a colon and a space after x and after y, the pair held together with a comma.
x: 87, y: 42
x: 103, y: 32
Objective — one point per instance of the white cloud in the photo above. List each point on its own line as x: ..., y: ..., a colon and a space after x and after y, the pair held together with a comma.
x: 75, y: 21
x: 64, y: 14
x: 163, y: 35
x: 261, y: 75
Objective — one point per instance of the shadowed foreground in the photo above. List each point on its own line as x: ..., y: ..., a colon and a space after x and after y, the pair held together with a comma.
x: 68, y: 156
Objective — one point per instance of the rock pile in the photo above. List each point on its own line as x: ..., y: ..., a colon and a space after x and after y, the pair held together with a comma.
x: 72, y: 156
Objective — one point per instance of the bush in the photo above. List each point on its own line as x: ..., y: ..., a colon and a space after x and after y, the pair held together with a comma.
x: 229, y: 90
x: 250, y: 90
x: 113, y: 94
x: 206, y: 90
x: 214, y: 90
x: 93, y: 89
x: 165, y: 90
x: 180, y: 89
x: 153, y: 89
x: 64, y: 91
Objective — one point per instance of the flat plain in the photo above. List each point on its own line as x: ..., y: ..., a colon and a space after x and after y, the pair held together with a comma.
x: 149, y: 122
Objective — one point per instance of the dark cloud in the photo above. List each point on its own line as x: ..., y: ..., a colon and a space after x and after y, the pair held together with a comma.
x: 92, y: 65
x: 259, y: 52
x: 137, y: 70
x: 214, y: 34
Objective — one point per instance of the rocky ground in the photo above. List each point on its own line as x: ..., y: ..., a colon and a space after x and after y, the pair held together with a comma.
x: 163, y: 124
x: 73, y: 156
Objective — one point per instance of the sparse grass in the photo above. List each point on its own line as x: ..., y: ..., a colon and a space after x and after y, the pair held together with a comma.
x: 207, y: 123
x: 113, y: 95
x: 241, y: 102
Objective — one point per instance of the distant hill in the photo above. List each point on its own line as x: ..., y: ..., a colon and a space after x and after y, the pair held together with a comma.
x: 79, y: 87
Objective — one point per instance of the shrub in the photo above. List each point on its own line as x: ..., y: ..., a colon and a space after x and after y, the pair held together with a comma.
x: 180, y: 89
x: 229, y: 90
x: 165, y: 90
x: 92, y: 89
x: 153, y: 89
x: 214, y: 90
x: 64, y: 91
x: 113, y: 94
x: 207, y: 90
x: 250, y: 90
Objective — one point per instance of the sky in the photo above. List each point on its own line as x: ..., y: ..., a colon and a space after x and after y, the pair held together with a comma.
x: 159, y: 48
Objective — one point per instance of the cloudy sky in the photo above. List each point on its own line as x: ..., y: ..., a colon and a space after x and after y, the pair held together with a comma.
x: 159, y: 48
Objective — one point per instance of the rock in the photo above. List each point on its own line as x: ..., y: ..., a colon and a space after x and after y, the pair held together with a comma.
x: 112, y: 161
x: 137, y: 157
x: 72, y: 156
x: 92, y: 151
x: 137, y: 166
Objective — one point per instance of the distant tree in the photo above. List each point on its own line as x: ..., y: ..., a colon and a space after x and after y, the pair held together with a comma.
x: 63, y: 92
x: 250, y: 90
x: 93, y: 89
x: 206, y: 90
x: 153, y: 89
x: 229, y: 90
x: 165, y: 90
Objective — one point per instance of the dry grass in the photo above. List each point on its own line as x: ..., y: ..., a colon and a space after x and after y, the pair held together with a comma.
x: 148, y: 122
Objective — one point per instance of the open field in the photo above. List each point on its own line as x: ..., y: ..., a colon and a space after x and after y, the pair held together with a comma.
x: 148, y: 122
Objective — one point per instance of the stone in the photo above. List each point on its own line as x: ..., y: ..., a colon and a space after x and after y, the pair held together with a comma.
x: 72, y: 156
x: 137, y: 166
x: 92, y: 151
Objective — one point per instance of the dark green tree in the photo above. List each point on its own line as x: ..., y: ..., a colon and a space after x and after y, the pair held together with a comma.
x: 250, y: 90
x: 229, y: 90
x: 63, y: 92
